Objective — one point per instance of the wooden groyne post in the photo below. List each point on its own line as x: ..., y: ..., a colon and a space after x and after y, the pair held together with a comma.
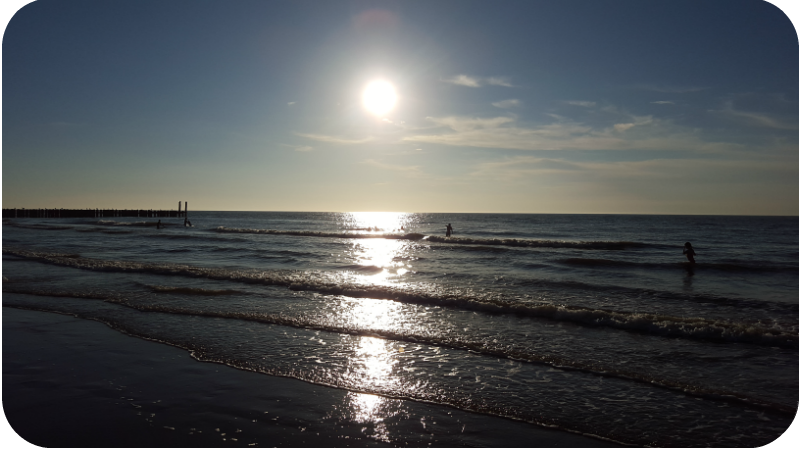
x: 55, y: 213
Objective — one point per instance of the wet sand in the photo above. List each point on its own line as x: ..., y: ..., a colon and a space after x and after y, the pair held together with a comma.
x: 69, y: 382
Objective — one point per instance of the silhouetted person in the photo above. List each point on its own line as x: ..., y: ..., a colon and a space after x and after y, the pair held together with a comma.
x: 449, y: 230
x: 689, y: 252
x: 158, y: 225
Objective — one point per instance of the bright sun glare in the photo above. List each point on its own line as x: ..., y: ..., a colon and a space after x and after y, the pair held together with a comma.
x: 379, y: 97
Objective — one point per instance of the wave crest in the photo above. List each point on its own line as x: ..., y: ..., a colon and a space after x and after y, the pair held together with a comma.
x: 456, y: 342
x: 726, y: 267
x: 337, y: 283
x: 475, y: 242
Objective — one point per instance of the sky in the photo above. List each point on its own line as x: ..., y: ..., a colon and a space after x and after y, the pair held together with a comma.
x: 570, y: 106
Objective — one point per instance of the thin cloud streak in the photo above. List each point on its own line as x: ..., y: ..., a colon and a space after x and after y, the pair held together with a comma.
x: 666, y: 89
x: 463, y: 80
x: 641, y: 133
x: 499, y: 81
x: 755, y: 119
x: 475, y: 82
x: 298, y: 148
x: 678, y: 171
x: 408, y: 171
x: 581, y: 103
x: 505, y: 104
x: 334, y: 139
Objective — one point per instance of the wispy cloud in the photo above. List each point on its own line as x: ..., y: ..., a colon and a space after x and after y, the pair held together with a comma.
x: 464, y: 80
x: 640, y: 120
x: 499, y: 81
x: 638, y: 133
x: 505, y: 104
x: 669, y: 89
x: 469, y: 124
x: 475, y: 82
x: 658, y: 184
x: 581, y: 103
x: 408, y: 171
x: 299, y: 148
x: 656, y: 174
x: 291, y: 103
x: 663, y: 102
x: 755, y: 119
x: 334, y: 139
x: 623, y: 126
x: 651, y: 170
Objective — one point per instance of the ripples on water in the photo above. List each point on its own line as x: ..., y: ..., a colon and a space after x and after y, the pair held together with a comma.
x: 593, y: 324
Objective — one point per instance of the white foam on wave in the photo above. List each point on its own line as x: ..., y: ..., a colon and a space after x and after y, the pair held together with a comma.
x: 349, y: 284
x: 345, y: 234
x: 114, y: 223
x: 509, y: 242
x: 417, y: 336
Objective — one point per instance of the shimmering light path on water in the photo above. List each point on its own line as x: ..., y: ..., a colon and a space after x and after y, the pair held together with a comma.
x: 594, y: 324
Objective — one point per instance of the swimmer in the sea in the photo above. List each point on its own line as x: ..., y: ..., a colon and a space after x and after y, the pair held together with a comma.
x: 689, y: 252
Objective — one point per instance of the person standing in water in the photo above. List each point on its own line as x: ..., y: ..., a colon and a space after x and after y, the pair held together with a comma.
x: 689, y: 252
x: 449, y: 230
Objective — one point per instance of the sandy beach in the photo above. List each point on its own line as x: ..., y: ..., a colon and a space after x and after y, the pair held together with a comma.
x: 69, y: 382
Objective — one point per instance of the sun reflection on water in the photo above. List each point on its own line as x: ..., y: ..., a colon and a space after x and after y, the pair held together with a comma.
x: 377, y: 222
x: 383, y: 257
x: 375, y: 359
x: 368, y: 409
x: 374, y: 314
x: 376, y: 252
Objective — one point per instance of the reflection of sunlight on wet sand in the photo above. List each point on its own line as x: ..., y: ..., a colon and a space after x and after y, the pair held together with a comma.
x: 372, y: 409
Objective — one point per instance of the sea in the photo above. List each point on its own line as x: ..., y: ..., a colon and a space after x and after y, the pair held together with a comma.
x: 592, y: 324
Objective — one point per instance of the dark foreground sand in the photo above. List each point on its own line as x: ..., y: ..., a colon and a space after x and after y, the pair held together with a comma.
x: 69, y: 382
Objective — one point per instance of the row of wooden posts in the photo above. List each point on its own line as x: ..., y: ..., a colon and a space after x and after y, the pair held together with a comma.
x: 39, y: 213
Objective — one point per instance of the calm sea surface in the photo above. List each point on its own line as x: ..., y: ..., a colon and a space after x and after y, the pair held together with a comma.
x: 595, y: 324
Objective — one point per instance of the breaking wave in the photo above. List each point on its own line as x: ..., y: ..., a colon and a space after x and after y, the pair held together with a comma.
x: 193, y: 291
x: 38, y: 226
x: 328, y: 234
x: 727, y: 267
x: 345, y: 283
x: 459, y: 342
x: 113, y: 223
x: 527, y: 243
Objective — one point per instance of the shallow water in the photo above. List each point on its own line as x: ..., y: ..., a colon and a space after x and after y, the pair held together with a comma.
x: 594, y: 324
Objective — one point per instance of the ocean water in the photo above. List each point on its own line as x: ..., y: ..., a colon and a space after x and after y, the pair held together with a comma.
x: 593, y: 324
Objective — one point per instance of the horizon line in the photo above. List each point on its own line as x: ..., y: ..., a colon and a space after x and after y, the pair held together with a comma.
x: 422, y: 212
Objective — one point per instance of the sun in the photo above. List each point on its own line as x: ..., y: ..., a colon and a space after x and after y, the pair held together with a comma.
x: 379, y: 97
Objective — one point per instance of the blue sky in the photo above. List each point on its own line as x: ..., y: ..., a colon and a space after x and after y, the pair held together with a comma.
x: 608, y: 106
